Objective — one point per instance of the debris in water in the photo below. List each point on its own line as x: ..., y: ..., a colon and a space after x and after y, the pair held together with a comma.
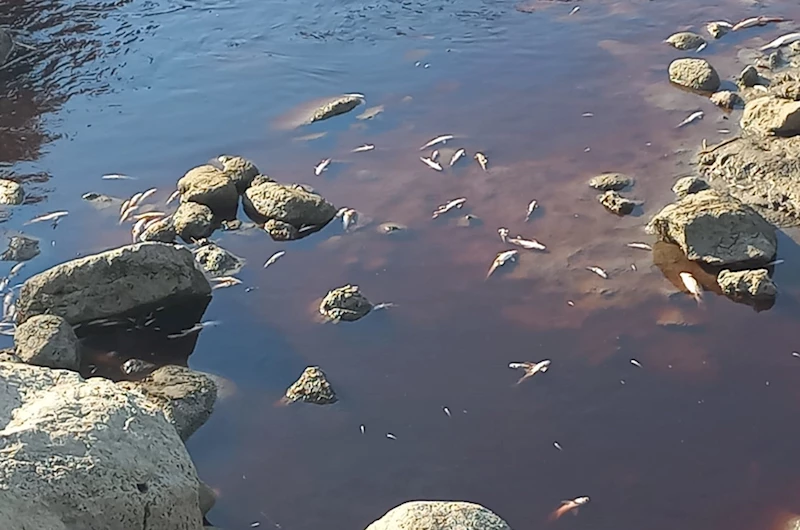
x: 444, y: 208
x: 567, y: 506
x: 501, y: 259
x: 482, y: 160
x: 531, y: 369
x: 438, y: 140
x: 692, y: 117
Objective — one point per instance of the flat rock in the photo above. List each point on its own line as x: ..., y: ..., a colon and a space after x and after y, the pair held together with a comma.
x: 616, y: 203
x: 336, y: 106
x: 113, y: 282
x: 696, y: 74
x: 211, y: 187
x: 217, y: 261
x: 685, y: 40
x: 240, y: 170
x: 439, y: 515
x: 286, y: 204
x: 20, y: 248
x: 610, y: 182
x: 726, y: 99
x: 47, y: 340
x: 345, y: 304
x: 753, y: 284
x: 11, y: 192
x: 688, y: 185
x: 771, y: 116
x: 311, y: 387
x: 163, y: 230
x: 193, y: 221
x: 716, y: 229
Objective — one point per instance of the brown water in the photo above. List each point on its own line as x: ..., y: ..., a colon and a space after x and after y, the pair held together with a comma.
x: 702, y: 436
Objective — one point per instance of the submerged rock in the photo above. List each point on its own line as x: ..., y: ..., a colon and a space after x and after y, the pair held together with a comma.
x: 726, y: 99
x: 696, y: 74
x: 240, y: 170
x: 11, y: 192
x: 749, y: 284
x: 207, y: 498
x: 193, y: 221
x: 715, y: 229
x: 113, y: 282
x: 345, y: 303
x: 89, y: 455
x: 285, y: 209
x: 311, y: 387
x: 616, y: 203
x: 716, y: 30
x: 20, y: 248
x: 749, y: 77
x: 163, y: 230
x: 770, y: 115
x: 439, y: 515
x: 392, y: 229
x: 688, y: 185
x: 218, y: 261
x: 47, y: 340
x: 685, y: 40
x: 211, y: 187
x: 334, y: 107
x: 610, y: 182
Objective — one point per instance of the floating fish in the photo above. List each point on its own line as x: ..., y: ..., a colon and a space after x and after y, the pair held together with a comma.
x: 438, y: 140
x: 54, y: 216
x: 197, y: 327
x: 782, y: 41
x: 363, y: 148
x: 640, y: 246
x: 144, y: 196
x: 446, y: 411
x: 633, y: 267
x: 149, y: 216
x: 531, y: 369
x: 694, y: 116
x: 531, y: 207
x: 322, y: 166
x: 482, y: 160
x: 363, y: 428
x: 124, y: 206
x: 370, y: 113
x: 137, y: 229
x: 567, y: 506
x: 349, y: 218
x: 636, y: 363
x: 8, y: 302
x: 557, y: 446
x: 275, y: 257
x: 692, y: 285
x: 15, y: 269
x: 175, y: 194
x: 762, y: 20
x: 503, y: 233
x: 430, y: 163
x: 770, y: 264
x: 434, y: 155
x: 701, y: 47
x: 575, y: 10
x: 587, y: 115
x: 527, y: 244
x: 225, y: 281
x: 309, y: 137
x: 457, y: 156
x: 116, y: 176
x: 501, y: 259
x: 383, y: 305
x: 600, y: 272
x: 127, y: 213
x: 391, y: 436
x: 722, y: 24
x: 444, y: 208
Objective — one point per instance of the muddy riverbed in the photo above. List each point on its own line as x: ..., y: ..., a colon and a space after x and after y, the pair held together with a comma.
x: 701, y: 435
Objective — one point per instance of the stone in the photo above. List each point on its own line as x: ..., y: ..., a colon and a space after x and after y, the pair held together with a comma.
x: 716, y: 229
x: 716, y: 30
x: 207, y: 498
x: 113, y: 282
x: 311, y: 387
x: 217, y: 261
x: 162, y: 231
x: 20, y: 248
x: 88, y: 455
x: 186, y: 397
x: 688, y: 185
x: 786, y: 90
x: 726, y: 99
x: 685, y: 40
x: 345, y: 303
x: 10, y: 192
x: 240, y: 170
x: 752, y: 284
x: 193, y: 221
x: 6, y: 46
x: 749, y: 77
x: 771, y: 116
x: 616, y: 203
x: 8, y: 356
x: 392, y: 229
x: 47, y: 340
x: 211, y: 187
x: 439, y: 515
x: 286, y: 205
x: 696, y: 74
x: 336, y: 106
x: 610, y: 182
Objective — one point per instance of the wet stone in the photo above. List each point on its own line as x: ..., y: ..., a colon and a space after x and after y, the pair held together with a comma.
x: 726, y: 99
x: 311, y: 387
x: 696, y: 74
x: 610, y: 182
x: 750, y: 284
x: 47, y: 340
x: 211, y: 187
x: 688, y: 185
x: 10, y: 192
x: 715, y: 30
x: 240, y: 170
x: 345, y: 304
x: 217, y: 261
x: 20, y: 248
x: 286, y: 208
x: 193, y: 221
x: 749, y: 77
x: 335, y: 107
x: 616, y: 203
x: 439, y: 515
x: 685, y: 40
x: 162, y: 231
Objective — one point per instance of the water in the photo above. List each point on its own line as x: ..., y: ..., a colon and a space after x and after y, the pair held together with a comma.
x: 701, y: 436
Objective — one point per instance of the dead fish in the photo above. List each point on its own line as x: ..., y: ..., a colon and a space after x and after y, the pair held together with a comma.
x: 363, y: 428
x: 53, y: 216
x: 636, y: 363
x: 197, y: 327
x: 116, y: 176
x: 391, y: 436
x: 15, y: 269
x: 558, y: 446
x: 694, y: 116
x: 383, y: 305
x: 756, y: 21
x: 692, y: 285
x: 446, y: 411
x: 370, y: 113
x: 124, y: 206
x: 3, y: 284
x: 587, y: 115
x: 225, y: 281
x: 501, y: 259
x: 722, y: 24
x: 8, y: 301
x: 567, y: 506
x: 127, y: 213
x: 444, y: 208
x: 527, y: 244
x: 349, y: 218
x: 531, y: 369
x: 456, y: 156
x: 275, y: 257
x: 430, y: 163
x: 438, y: 140
x: 144, y: 196
x: 531, y: 207
x: 600, y: 272
x: 770, y: 264
x: 137, y: 229
x: 135, y: 199
x: 434, y: 155
x: 782, y: 41
x: 640, y: 246
x: 322, y: 166
x: 503, y: 233
x: 575, y: 10
x: 309, y: 137
x: 175, y: 194
x: 363, y: 148
x: 482, y: 161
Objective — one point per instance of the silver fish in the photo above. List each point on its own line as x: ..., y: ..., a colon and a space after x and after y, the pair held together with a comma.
x: 383, y: 305
x: 438, y: 140
x: 363, y: 148
x: 54, y: 216
x: 600, y: 272
x: 144, y: 196
x: 503, y: 233
x: 116, y: 176
x: 722, y: 24
x: 558, y: 446
x: 8, y: 302
x: 575, y: 10
x: 528, y: 244
x: 175, y: 194
x: 640, y: 246
x: 225, y: 281
x: 137, y: 229
x: 531, y: 207
x: 135, y: 199
x: 531, y: 369
x: 391, y: 436
x: 782, y: 41
x: 363, y: 428
x: 692, y: 285
x: 482, y: 161
x: 275, y: 257
x: 15, y: 269
x: 756, y: 21
x: 197, y: 327
x: 430, y: 163
x: 444, y: 208
x: 349, y: 218
x: 127, y: 213
x: 501, y: 259
x: 456, y: 156
x: 3, y: 284
x: 124, y: 206
x: 694, y: 116
x: 434, y: 155
x: 446, y: 411
x: 636, y: 363
x: 322, y: 166
x: 770, y: 264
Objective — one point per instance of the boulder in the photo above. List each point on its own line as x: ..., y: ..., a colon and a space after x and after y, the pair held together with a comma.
x: 345, y: 303
x: 311, y: 387
x: 21, y: 248
x: 286, y: 204
x: 726, y: 99
x: 207, y: 498
x: 747, y: 284
x: 685, y: 40
x: 113, y: 282
x: 439, y: 515
x: 88, y: 455
x: 610, y: 182
x: 771, y: 115
x: 749, y: 77
x: 163, y: 230
x: 217, y: 261
x: 211, y: 187
x: 193, y: 221
x: 335, y: 106
x: 616, y: 203
x: 240, y: 170
x: 716, y: 229
x: 696, y: 74
x: 47, y: 340
x: 10, y: 192
x: 688, y: 185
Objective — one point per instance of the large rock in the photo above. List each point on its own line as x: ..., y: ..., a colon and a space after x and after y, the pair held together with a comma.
x: 439, y: 515
x: 193, y: 221
x: 716, y: 229
x: 286, y: 204
x: 10, y: 192
x: 47, y: 340
x: 335, y: 106
x: 240, y: 170
x: 748, y: 284
x: 345, y: 303
x: 217, y: 261
x: 21, y: 248
x: 87, y: 455
x: 685, y: 40
x: 769, y: 115
x: 163, y: 230
x: 113, y: 282
x: 696, y: 74
x: 311, y: 387
x: 212, y: 187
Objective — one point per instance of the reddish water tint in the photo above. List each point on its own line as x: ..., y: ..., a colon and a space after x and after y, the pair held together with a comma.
x: 701, y: 436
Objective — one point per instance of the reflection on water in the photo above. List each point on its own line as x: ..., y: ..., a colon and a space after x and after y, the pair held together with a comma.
x: 700, y: 436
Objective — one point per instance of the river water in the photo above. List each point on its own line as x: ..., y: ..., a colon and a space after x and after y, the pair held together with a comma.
x: 701, y: 436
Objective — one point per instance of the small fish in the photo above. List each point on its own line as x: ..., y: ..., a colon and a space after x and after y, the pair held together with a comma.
x: 795, y: 354
x: 444, y: 208
x: 362, y: 428
x: 482, y: 160
x: 309, y: 137
x: 8, y: 302
x: 600, y: 272
x: 144, y: 196
x: 54, y: 216
x: 3, y: 284
x: 175, y: 194
x: 782, y: 41
x: 756, y: 21
x: 15, y: 269
x: 275, y: 257
x: 438, y: 140
x: 640, y: 246
x: 124, y: 206
x: 636, y: 363
x: 527, y: 244
x: 363, y: 148
x: 383, y: 305
x: 127, y: 213
x: 701, y: 47
x: 575, y: 10
x: 137, y: 229
x: 567, y: 506
x: 391, y: 436
x: 531, y: 369
x: 225, y: 281
x: 694, y: 116
x: 149, y: 216
x: 135, y: 199
x: 770, y: 264
x: 446, y: 411
x: 587, y: 115
x: 722, y: 24
x: 531, y: 207
x: 430, y: 163
x: 457, y: 156
x: 501, y: 259
x: 322, y: 166
x: 197, y: 327
x: 116, y: 176
x: 434, y: 155
x: 633, y: 267
x: 370, y: 113
x: 503, y: 233
x: 349, y: 218
x: 692, y: 285
x: 558, y: 446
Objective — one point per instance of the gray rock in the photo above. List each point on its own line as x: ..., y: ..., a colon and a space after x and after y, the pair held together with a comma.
x: 439, y: 515
x: 6, y: 46
x: 775, y: 60
x: 88, y: 455
x: 688, y: 185
x: 286, y: 205
x: 186, y: 397
x: 771, y: 116
x: 193, y: 221
x: 281, y: 231
x: 137, y: 367
x: 20, y: 248
x: 218, y: 261
x: 716, y: 229
x: 47, y: 340
x: 345, y: 303
x: 207, y: 498
x: 726, y: 99
x: 240, y: 170
x: 685, y: 40
x: 749, y: 77
x: 163, y: 230
x: 335, y: 106
x: 113, y: 282
x: 610, y: 182
x: 211, y: 187
x: 749, y: 284
x: 616, y: 203
x: 311, y: 387
x: 696, y: 74
x: 10, y: 192
x: 100, y: 201
x: 715, y: 30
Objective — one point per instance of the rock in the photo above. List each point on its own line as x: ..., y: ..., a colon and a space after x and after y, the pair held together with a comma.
x: 10, y: 192
x: 100, y: 201
x: 8, y: 356
x: 311, y: 387
x: 345, y: 303
x: 715, y: 229
x: 775, y: 60
x: 696, y: 74
x: 286, y: 205
x: 47, y: 340
x: 688, y: 185
x: 685, y: 40
x: 439, y: 515
x: 163, y: 230
x: 6, y: 46
x: 726, y: 99
x: 281, y: 231
x: 787, y: 90
x: 769, y: 115
x: 610, y: 182
x: 88, y: 455
x: 20, y: 248
x: 751, y: 284
x: 749, y: 77
x: 392, y: 229
x: 113, y: 282
x: 218, y: 261
x: 211, y: 187
x: 193, y: 221
x: 240, y: 170
x: 715, y: 30
x: 336, y: 106
x: 137, y: 367
x: 261, y: 179
x: 616, y: 203
x: 186, y: 397
x: 207, y: 498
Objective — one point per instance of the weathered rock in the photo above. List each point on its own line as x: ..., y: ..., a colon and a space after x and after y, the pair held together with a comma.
x: 685, y: 40
x: 749, y: 76
x: 137, y: 367
x: 715, y: 30
x: 311, y: 387
x: 345, y: 303
x: 207, y: 498
x: 240, y: 170
x: 752, y: 284
x: 47, y: 340
x: 688, y: 185
x: 336, y: 106
x: 8, y: 356
x: 211, y: 187
x: 6, y: 46
x: 113, y: 282
x: 786, y: 90
x: 281, y: 203
x: 186, y: 397
x: 616, y: 203
x: 716, y: 229
x: 696, y: 74
x: 774, y: 60
x: 163, y: 230
x: 726, y: 99
x: 10, y: 192
x: 88, y: 455
x: 218, y: 261
x: 193, y: 221
x: 21, y: 248
x: 769, y: 115
x: 439, y: 515
x: 281, y: 231
x: 610, y: 182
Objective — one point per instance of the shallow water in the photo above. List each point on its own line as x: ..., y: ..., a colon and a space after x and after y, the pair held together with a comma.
x: 702, y: 436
